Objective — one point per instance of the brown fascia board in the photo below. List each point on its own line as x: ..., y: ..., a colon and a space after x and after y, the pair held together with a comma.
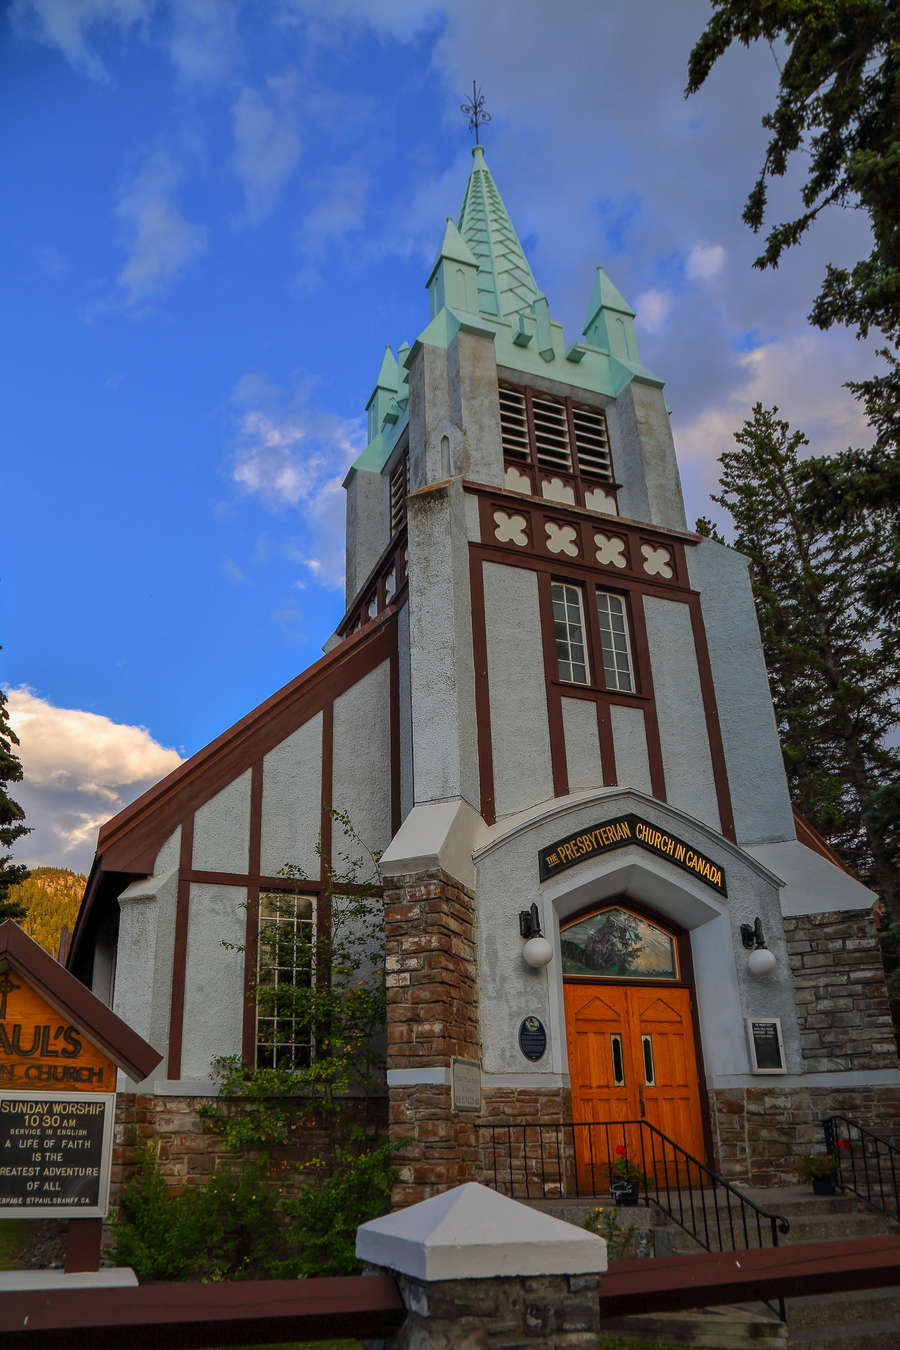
x: 128, y: 843
x: 808, y: 835
x: 70, y: 997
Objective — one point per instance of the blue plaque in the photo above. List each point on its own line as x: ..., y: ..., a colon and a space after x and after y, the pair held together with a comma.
x: 533, y: 1038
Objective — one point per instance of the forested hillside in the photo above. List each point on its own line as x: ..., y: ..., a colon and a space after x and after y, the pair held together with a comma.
x: 50, y: 897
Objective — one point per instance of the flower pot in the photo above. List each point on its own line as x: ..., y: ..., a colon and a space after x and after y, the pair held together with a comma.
x: 626, y: 1192
x: 823, y: 1185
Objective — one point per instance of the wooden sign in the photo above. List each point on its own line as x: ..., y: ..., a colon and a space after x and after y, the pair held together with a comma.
x: 43, y: 1051
x: 620, y: 833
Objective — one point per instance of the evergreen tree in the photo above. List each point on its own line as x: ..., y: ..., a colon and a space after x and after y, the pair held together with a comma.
x: 11, y: 817
x: 833, y: 656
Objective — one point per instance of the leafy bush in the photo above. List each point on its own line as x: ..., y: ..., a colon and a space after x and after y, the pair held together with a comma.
x: 326, y: 1217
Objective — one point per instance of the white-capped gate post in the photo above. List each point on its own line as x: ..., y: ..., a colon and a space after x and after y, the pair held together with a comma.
x: 478, y: 1270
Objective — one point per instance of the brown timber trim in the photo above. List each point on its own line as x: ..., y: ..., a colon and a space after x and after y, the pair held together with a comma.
x: 558, y: 763
x: 395, y: 739
x: 251, y: 929
x: 607, y: 745
x: 713, y: 729
x: 323, y: 907
x: 482, y: 688
x: 651, y: 721
x: 179, y: 956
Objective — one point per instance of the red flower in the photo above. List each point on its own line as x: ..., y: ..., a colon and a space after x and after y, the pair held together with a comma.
x: 621, y: 1151
x: 843, y: 1143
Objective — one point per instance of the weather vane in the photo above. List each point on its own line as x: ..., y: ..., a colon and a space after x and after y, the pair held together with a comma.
x: 475, y: 111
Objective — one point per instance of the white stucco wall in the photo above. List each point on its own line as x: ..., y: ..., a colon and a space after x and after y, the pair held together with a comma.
x: 520, y: 732
x: 292, y: 801
x: 582, y: 743
x: 362, y: 756
x: 630, y: 746
x: 756, y: 780
x: 214, y: 978
x: 222, y: 830
x: 407, y: 786
x: 169, y: 855
x: 687, y: 763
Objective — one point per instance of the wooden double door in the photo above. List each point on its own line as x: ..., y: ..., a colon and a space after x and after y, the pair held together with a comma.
x: 632, y: 1056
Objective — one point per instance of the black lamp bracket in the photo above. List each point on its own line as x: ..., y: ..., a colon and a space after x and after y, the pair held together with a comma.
x: 530, y: 922
x: 752, y: 935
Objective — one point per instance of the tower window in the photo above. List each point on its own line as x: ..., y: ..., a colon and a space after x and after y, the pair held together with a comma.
x: 557, y: 449
x: 551, y: 435
x: 285, y: 967
x: 614, y: 643
x: 398, y: 490
x: 592, y: 442
x: 568, y: 624
x: 514, y: 426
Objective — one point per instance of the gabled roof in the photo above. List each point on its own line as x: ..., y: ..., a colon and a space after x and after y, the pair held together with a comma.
x: 506, y: 284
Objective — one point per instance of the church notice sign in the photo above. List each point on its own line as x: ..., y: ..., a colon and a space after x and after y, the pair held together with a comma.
x: 622, y: 832
x: 41, y: 1050
x: 55, y: 1153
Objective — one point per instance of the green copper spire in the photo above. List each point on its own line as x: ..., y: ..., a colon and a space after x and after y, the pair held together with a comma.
x: 610, y: 320
x: 505, y: 282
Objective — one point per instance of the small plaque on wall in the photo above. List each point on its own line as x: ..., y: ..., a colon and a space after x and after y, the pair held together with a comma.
x: 466, y: 1081
x: 766, y: 1045
x: 533, y: 1039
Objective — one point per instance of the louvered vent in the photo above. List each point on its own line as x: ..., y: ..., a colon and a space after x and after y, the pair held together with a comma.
x: 592, y: 443
x: 514, y: 426
x: 551, y: 435
x: 398, y: 496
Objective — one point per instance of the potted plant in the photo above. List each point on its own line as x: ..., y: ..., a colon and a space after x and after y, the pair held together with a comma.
x: 626, y: 1178
x: 819, y: 1170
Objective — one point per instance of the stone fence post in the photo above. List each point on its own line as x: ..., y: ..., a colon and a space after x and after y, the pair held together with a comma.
x: 478, y: 1271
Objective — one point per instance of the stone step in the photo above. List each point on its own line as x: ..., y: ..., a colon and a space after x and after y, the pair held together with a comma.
x: 803, y: 1229
x: 862, y: 1336
x: 724, y: 1328
x: 849, y: 1309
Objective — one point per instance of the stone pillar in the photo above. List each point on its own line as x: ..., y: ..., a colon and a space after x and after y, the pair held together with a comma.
x: 480, y: 1271
x: 432, y: 1018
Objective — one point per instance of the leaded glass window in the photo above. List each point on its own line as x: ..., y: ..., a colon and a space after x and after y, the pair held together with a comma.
x: 568, y: 624
x: 616, y: 942
x: 285, y: 966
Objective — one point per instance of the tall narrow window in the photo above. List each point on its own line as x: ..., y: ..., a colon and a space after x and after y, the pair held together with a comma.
x: 285, y: 968
x: 568, y: 623
x: 551, y: 435
x: 398, y: 496
x: 592, y: 442
x: 514, y: 425
x: 616, y: 649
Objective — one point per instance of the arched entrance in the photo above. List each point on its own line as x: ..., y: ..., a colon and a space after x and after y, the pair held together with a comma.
x: 629, y: 1020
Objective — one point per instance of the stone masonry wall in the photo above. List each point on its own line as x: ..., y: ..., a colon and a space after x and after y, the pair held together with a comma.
x: 845, y: 1020
x: 432, y: 1017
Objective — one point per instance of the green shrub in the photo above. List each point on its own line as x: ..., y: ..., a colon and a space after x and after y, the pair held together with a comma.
x: 326, y: 1217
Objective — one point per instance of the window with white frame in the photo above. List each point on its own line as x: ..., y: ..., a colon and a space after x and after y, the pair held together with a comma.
x: 568, y: 625
x: 286, y: 932
x: 614, y: 643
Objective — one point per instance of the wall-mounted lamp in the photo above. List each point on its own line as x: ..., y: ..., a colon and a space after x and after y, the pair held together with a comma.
x: 760, y: 961
x: 537, y: 950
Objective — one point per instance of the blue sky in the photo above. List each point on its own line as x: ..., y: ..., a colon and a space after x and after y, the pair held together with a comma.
x: 216, y: 214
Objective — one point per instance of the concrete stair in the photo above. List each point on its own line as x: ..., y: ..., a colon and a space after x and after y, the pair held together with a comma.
x: 854, y: 1321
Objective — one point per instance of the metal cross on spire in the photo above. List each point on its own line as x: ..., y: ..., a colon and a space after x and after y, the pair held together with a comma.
x: 475, y: 111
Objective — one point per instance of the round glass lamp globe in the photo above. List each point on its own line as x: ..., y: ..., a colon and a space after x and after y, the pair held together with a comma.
x: 761, y: 961
x: 537, y: 951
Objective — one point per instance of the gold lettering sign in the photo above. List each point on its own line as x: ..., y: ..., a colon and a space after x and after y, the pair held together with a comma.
x: 619, y: 833
x: 41, y: 1050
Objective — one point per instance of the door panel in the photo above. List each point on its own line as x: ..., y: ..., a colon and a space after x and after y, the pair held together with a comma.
x: 661, y: 1080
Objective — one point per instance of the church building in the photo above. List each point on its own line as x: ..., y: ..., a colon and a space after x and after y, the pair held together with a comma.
x: 547, y: 705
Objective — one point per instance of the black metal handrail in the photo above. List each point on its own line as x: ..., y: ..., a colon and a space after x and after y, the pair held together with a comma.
x: 867, y: 1165
x: 574, y: 1159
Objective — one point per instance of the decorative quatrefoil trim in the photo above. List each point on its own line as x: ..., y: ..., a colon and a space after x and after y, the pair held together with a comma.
x: 657, y: 562
x: 517, y: 481
x: 510, y: 529
x: 610, y: 551
x: 561, y: 538
x: 598, y: 500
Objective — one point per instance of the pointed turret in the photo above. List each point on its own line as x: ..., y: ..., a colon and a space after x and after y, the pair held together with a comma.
x: 453, y: 279
x: 384, y: 393
x: 610, y: 320
x: 506, y: 285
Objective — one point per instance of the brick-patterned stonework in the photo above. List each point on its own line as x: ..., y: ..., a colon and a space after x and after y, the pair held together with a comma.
x: 845, y: 1020
x: 432, y: 1017
x: 845, y: 1025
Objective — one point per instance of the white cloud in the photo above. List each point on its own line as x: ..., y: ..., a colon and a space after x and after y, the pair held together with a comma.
x: 704, y: 261
x: 290, y: 456
x: 203, y: 38
x: 81, y: 768
x: 68, y: 24
x: 161, y: 241
x: 653, y: 308
x: 267, y: 145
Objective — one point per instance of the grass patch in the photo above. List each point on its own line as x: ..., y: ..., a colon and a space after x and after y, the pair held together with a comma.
x: 13, y: 1236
